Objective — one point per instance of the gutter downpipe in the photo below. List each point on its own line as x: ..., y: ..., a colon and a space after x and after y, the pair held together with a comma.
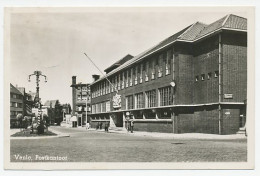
x: 219, y: 84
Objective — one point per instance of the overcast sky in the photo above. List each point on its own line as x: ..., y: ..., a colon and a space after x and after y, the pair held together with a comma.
x: 54, y: 42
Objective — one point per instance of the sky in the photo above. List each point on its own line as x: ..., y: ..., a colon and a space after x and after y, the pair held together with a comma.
x: 54, y: 41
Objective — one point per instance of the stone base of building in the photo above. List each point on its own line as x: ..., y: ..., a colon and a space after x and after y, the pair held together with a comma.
x: 210, y: 119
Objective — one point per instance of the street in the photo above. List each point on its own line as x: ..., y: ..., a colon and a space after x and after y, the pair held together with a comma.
x: 92, y: 146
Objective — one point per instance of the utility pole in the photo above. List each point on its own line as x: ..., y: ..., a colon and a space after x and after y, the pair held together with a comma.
x: 37, y: 74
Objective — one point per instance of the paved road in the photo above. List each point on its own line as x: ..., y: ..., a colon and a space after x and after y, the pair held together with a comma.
x: 91, y: 146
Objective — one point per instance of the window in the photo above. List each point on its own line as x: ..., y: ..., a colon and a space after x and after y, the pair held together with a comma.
x: 153, y: 69
x: 126, y: 82
x: 150, y: 98
x: 129, y: 102
x: 146, y: 71
x: 160, y: 66
x: 93, y: 109
x: 131, y: 77
x: 141, y: 74
x: 116, y: 83
x: 119, y: 82
x: 112, y: 86
x: 196, y: 78
x: 123, y: 80
x: 202, y: 77
x: 136, y: 74
x: 107, y: 106
x: 139, y: 100
x: 98, y: 107
x: 209, y: 75
x: 165, y: 96
x: 216, y: 74
x: 168, y: 63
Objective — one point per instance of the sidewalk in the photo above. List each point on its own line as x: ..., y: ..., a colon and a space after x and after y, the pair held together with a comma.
x: 175, y: 136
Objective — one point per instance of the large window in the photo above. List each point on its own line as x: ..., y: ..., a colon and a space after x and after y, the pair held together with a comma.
x: 152, y: 66
x: 136, y: 74
x: 147, y: 71
x: 129, y: 102
x: 165, y: 96
x: 93, y: 109
x: 131, y: 77
x: 141, y: 73
x: 126, y: 78
x: 150, y: 98
x: 123, y: 80
x: 160, y: 66
x: 168, y: 63
x: 139, y: 101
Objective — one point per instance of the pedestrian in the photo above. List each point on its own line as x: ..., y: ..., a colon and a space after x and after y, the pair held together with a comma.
x: 101, y: 124
x: 132, y: 125
x: 97, y: 126
x: 106, y: 126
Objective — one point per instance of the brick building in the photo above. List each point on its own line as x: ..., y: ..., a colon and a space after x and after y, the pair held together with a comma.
x: 193, y: 81
x: 80, y: 102
x: 20, y: 103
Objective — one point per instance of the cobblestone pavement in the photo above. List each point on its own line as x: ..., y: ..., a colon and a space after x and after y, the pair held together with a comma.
x: 98, y: 146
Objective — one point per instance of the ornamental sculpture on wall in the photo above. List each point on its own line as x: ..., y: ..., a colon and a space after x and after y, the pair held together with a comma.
x: 117, y: 101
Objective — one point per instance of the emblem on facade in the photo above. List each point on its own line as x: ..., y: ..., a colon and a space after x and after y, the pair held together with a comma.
x: 117, y: 101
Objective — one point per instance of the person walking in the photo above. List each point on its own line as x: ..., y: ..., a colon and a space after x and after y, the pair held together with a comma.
x: 106, y: 126
x: 132, y: 125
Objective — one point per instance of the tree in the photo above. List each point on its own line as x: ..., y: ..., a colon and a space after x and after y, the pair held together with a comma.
x: 58, y: 112
x: 46, y: 120
x: 19, y: 118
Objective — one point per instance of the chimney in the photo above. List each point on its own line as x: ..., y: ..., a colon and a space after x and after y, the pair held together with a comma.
x: 74, y: 80
x: 95, y: 77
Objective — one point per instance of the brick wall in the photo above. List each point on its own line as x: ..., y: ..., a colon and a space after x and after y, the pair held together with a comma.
x: 230, y: 114
x: 198, y: 120
x: 163, y: 127
x: 206, y: 61
x: 234, y: 66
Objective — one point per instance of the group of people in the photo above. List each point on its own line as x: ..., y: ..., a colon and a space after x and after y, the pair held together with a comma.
x: 130, y: 126
x: 100, y: 125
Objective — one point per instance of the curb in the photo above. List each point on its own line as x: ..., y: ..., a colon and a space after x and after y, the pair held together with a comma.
x: 59, y: 135
x: 42, y: 137
x: 180, y: 136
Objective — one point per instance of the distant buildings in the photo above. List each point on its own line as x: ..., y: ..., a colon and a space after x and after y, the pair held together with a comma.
x: 80, y: 102
x: 20, y: 103
x: 195, y: 81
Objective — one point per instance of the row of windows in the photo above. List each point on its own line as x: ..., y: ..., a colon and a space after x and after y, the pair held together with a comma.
x: 16, y: 105
x: 140, y: 100
x: 149, y: 99
x: 16, y: 96
x: 101, y: 107
x: 16, y: 112
x: 135, y: 75
x: 209, y: 76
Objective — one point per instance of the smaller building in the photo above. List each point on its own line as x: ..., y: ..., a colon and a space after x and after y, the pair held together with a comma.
x: 16, y: 105
x: 80, y: 102
x: 54, y: 111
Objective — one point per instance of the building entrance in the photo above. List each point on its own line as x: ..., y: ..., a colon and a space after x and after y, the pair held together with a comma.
x: 118, y: 119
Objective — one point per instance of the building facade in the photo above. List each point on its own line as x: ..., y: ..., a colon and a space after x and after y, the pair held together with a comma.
x: 195, y: 81
x: 16, y: 105
x: 80, y: 102
x: 21, y: 102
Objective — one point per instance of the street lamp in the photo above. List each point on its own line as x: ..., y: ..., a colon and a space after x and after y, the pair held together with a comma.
x: 37, y: 74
